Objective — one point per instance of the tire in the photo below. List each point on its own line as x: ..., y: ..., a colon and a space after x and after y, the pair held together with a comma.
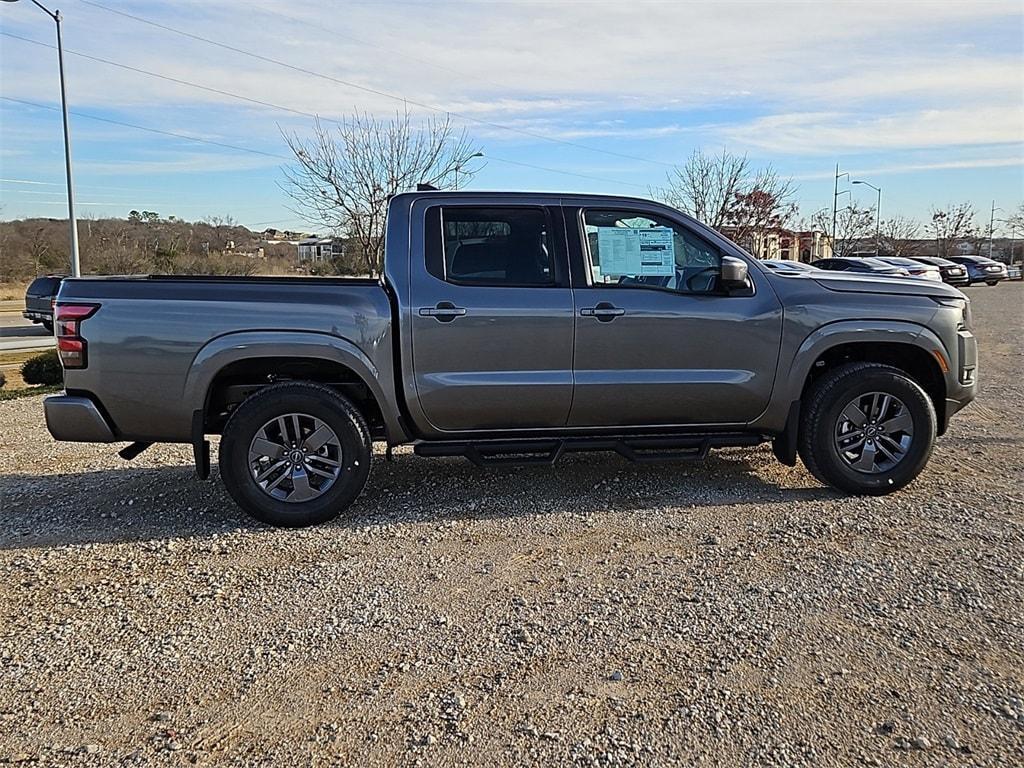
x: 991, y: 282
x: 48, y: 325
x: 825, y: 417
x: 304, y: 408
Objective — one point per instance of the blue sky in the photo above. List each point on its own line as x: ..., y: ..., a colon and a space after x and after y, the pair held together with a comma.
x: 925, y: 99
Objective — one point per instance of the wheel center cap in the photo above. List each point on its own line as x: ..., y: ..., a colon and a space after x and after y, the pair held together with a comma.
x: 296, y: 456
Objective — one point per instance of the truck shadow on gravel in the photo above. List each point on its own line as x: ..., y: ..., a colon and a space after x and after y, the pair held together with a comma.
x: 140, y: 504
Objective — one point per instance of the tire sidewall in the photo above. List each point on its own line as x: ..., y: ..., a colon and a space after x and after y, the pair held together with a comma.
x: 839, y: 474
x: 278, y: 400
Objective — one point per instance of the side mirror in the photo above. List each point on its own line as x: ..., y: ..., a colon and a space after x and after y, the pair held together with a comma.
x: 734, y: 273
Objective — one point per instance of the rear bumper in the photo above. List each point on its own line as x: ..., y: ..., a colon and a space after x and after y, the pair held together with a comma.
x: 37, y: 316
x: 76, y: 419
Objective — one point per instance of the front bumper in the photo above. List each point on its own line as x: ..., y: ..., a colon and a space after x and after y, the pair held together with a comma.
x: 961, y: 391
x: 76, y: 419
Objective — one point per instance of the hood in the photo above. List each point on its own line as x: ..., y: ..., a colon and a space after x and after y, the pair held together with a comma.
x: 849, y: 282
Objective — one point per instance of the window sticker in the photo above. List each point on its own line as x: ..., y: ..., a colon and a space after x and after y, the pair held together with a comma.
x: 636, y: 252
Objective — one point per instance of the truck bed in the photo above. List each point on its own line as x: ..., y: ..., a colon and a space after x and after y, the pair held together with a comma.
x: 150, y: 338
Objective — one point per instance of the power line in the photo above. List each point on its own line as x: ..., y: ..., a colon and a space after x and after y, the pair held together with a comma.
x: 168, y: 78
x: 377, y: 92
x: 283, y: 157
x: 183, y: 136
x: 564, y: 173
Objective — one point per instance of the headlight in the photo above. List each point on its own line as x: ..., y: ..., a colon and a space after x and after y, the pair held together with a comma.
x: 960, y: 304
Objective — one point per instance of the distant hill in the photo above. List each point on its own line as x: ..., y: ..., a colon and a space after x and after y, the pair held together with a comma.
x: 142, y: 243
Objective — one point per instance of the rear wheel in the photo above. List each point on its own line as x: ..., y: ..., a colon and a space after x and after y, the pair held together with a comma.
x: 867, y: 429
x: 48, y: 325
x: 295, y: 454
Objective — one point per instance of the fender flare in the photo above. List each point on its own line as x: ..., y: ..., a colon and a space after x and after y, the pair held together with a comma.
x: 220, y: 352
x: 855, y: 332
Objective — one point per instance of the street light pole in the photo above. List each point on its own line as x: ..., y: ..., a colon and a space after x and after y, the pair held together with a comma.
x: 878, y: 216
x: 72, y: 222
x: 458, y: 166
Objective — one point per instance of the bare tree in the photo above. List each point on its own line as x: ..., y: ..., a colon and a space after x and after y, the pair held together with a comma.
x: 899, y: 236
x: 705, y: 186
x: 855, y: 226
x: 343, y: 178
x: 952, y: 225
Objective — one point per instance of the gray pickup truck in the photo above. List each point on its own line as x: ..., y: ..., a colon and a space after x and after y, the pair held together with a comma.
x: 513, y: 327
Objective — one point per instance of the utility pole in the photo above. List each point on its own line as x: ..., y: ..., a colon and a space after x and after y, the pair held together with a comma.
x: 72, y: 222
x: 992, y: 226
x: 835, y: 205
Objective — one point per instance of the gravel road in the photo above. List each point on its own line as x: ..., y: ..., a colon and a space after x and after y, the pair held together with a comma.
x: 595, y: 613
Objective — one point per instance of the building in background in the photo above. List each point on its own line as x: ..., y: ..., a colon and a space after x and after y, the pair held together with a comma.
x: 316, y: 249
x: 786, y: 244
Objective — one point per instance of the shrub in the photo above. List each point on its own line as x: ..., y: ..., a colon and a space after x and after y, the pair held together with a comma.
x: 3, y: 379
x: 43, y: 369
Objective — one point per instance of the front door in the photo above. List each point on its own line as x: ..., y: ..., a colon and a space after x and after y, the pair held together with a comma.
x: 657, y: 341
x: 492, y: 324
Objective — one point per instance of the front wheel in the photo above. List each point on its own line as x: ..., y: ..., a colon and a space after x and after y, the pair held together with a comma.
x: 295, y: 454
x: 866, y: 429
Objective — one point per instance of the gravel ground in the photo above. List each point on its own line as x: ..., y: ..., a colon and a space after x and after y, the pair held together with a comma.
x: 596, y: 613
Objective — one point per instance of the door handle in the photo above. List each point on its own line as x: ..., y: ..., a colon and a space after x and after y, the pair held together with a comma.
x: 604, y: 312
x: 444, y: 312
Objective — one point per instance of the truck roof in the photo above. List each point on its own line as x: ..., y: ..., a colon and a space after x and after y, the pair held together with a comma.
x: 512, y: 195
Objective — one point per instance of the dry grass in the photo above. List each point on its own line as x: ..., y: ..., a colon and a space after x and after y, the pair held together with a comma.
x: 13, y: 291
x: 10, y: 364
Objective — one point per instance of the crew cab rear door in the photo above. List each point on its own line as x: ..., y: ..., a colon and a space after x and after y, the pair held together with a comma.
x: 492, y: 315
x: 657, y: 342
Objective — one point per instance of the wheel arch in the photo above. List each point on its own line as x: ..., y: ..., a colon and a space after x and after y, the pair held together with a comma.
x: 236, y: 365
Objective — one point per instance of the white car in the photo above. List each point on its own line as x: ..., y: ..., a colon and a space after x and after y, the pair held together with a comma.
x: 915, y: 268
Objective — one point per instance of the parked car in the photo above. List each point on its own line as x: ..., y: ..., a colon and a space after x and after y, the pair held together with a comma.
x: 951, y: 272
x: 914, y: 268
x: 1014, y: 272
x: 785, y: 265
x: 39, y: 300
x: 864, y: 265
x: 515, y: 328
x: 981, y: 269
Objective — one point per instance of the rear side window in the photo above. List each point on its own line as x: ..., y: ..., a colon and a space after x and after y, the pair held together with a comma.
x: 490, y: 246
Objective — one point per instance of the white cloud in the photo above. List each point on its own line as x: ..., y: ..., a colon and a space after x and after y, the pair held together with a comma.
x: 178, y: 162
x: 1007, y: 161
x: 833, y: 132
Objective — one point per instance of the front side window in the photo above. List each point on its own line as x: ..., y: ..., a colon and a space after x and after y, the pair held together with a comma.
x: 631, y: 249
x: 490, y: 246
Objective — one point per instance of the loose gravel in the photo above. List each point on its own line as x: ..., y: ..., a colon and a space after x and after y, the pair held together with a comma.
x: 596, y: 613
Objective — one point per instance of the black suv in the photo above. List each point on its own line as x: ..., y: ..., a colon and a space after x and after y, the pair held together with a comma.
x: 39, y: 300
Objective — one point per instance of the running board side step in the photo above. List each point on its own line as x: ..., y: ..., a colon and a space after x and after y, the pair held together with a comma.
x: 489, y: 453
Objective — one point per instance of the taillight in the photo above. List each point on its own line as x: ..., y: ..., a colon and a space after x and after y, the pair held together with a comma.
x: 68, y: 320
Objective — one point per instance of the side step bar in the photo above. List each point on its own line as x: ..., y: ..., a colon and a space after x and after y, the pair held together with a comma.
x: 489, y: 453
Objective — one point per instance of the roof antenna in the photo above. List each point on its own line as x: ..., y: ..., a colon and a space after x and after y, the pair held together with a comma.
x: 426, y: 188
